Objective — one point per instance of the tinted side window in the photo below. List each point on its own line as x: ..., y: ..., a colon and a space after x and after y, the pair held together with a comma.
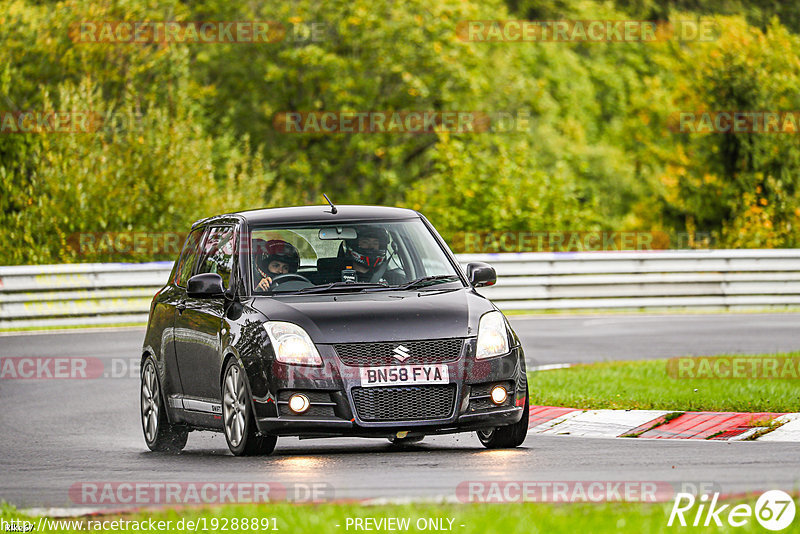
x: 189, y: 256
x: 217, y: 256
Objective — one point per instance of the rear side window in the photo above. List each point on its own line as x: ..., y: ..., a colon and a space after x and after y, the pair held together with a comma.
x: 217, y: 256
x: 189, y: 256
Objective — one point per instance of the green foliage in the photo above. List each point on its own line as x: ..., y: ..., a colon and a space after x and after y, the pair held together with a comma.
x: 758, y: 12
x: 151, y: 166
x: 744, y: 187
x: 190, y: 128
x: 470, y: 187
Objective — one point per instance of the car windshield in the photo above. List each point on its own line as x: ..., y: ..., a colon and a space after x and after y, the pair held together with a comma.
x: 368, y: 256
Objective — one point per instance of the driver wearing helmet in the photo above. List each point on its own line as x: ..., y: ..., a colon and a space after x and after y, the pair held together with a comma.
x: 368, y: 256
x: 274, y: 258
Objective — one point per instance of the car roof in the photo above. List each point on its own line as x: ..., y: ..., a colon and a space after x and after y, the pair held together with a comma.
x: 316, y: 214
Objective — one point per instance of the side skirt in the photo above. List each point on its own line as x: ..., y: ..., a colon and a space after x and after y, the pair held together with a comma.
x: 200, y: 414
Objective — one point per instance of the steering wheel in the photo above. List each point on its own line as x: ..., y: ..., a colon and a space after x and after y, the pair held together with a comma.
x: 289, y: 277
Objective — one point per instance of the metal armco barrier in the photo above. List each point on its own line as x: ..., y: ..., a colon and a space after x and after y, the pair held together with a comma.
x: 115, y: 293
x: 79, y: 293
x: 697, y: 279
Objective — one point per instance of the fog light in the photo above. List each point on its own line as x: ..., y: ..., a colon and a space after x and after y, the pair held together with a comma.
x: 499, y: 395
x: 298, y: 403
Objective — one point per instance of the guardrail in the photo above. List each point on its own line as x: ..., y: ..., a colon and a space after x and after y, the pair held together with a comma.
x: 117, y: 293
x: 710, y: 279
x: 79, y: 293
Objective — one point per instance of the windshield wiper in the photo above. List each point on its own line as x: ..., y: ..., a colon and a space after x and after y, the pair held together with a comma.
x: 337, y: 286
x: 363, y: 286
x: 426, y: 281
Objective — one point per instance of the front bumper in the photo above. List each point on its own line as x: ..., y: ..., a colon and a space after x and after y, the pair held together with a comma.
x: 333, y: 411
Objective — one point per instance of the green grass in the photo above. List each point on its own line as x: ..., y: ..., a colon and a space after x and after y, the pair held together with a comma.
x: 467, y: 518
x: 645, y: 385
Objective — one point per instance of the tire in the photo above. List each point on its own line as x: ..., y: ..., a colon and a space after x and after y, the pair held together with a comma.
x: 238, y: 421
x: 159, y: 434
x: 507, y: 437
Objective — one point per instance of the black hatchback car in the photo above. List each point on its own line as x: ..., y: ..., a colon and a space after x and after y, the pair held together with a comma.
x: 324, y: 321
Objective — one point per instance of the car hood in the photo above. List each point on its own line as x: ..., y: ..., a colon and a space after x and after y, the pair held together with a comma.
x: 380, y: 315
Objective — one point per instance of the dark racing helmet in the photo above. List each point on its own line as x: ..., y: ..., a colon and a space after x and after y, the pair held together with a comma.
x: 277, y: 250
x: 367, y: 257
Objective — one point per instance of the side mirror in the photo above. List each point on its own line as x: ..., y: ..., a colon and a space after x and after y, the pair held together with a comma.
x: 481, y: 274
x: 205, y: 286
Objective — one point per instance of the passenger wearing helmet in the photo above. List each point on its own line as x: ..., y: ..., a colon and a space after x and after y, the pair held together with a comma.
x: 367, y: 255
x: 274, y: 258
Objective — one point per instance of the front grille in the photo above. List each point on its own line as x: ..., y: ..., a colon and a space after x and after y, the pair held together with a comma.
x: 382, y: 353
x: 405, y: 403
x: 315, y: 411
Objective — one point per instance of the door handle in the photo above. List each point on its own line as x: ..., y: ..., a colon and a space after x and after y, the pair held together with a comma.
x: 181, y: 306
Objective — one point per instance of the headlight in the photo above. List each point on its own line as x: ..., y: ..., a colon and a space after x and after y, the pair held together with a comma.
x: 492, y: 336
x: 292, y: 344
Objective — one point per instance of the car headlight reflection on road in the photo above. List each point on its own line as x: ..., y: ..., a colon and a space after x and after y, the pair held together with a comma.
x: 492, y: 336
x: 292, y: 344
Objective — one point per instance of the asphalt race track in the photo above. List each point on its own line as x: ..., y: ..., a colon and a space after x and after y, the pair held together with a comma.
x: 60, y: 433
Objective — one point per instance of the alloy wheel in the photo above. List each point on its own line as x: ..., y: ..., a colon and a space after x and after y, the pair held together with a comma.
x: 234, y: 405
x: 150, y: 403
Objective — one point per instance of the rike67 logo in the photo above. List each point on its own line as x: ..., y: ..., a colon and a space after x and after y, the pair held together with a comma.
x: 774, y: 510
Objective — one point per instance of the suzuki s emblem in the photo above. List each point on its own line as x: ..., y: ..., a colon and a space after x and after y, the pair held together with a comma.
x: 401, y: 353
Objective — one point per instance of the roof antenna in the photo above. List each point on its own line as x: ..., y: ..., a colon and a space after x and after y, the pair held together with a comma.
x: 333, y: 208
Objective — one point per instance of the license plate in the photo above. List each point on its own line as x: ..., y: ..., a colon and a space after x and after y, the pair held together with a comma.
x: 404, y: 375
